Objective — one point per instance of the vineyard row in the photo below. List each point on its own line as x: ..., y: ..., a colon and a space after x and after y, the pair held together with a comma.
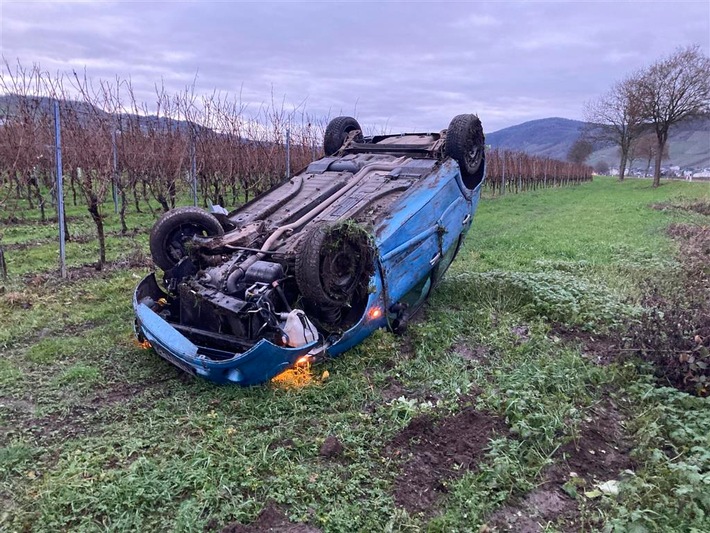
x: 211, y: 147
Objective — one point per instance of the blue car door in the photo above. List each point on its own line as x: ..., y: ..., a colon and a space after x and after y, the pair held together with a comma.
x: 424, y: 225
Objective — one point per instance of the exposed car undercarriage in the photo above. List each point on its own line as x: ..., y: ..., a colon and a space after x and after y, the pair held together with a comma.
x: 307, y: 247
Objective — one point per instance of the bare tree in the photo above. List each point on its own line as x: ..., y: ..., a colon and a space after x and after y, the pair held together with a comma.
x: 633, y: 155
x: 23, y: 137
x: 671, y: 90
x: 617, y: 118
x: 580, y: 151
x: 602, y: 167
x: 87, y: 129
x: 646, y: 148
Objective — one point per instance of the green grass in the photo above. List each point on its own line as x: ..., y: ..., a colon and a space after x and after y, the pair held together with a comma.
x: 101, y: 435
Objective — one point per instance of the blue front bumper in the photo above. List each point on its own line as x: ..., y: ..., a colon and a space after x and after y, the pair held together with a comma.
x: 260, y: 363
x: 257, y: 365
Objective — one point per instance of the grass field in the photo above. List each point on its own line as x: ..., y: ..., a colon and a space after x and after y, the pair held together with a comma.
x: 500, y: 406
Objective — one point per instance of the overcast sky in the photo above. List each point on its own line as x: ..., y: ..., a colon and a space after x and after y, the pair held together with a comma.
x: 400, y: 65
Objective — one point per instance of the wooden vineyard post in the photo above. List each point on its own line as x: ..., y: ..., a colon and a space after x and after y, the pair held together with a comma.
x: 3, y: 264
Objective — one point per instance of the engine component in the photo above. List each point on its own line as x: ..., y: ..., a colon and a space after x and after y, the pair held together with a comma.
x: 298, y: 330
x: 263, y: 272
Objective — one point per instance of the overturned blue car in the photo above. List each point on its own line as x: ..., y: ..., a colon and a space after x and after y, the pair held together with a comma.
x: 355, y: 242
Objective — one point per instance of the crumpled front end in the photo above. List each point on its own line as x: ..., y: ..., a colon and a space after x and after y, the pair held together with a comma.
x: 255, y: 365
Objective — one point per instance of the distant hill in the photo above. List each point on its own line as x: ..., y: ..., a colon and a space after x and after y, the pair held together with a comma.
x: 550, y: 137
x: 689, y: 142
x: 9, y: 104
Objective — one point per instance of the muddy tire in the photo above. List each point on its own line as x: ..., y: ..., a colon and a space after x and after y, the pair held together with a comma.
x: 175, y: 228
x: 465, y: 143
x: 336, y: 132
x: 334, y: 264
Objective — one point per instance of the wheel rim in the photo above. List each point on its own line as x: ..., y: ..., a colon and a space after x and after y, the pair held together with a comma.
x: 340, y: 272
x: 176, y: 241
x: 347, y: 132
x: 473, y: 158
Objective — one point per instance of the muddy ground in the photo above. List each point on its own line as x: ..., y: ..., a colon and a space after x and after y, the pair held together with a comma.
x: 600, y: 454
x: 436, y: 451
x: 272, y: 518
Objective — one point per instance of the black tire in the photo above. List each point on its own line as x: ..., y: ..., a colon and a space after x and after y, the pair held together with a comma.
x: 334, y: 264
x: 174, y: 228
x: 336, y: 132
x: 465, y: 143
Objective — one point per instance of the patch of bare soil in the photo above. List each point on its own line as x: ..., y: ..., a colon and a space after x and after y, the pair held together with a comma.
x: 395, y: 389
x: 601, y: 349
x: 80, y: 420
x: 474, y: 354
x: 674, y: 331
x: 13, y: 220
x: 272, y: 519
x: 697, y: 235
x: 701, y: 207
x: 535, y: 511
x: 601, y: 450
x: 331, y: 447
x: 521, y: 333
x: 436, y: 451
x: 88, y: 271
x: 599, y: 454
x: 407, y: 351
x: 123, y: 392
x: 50, y: 428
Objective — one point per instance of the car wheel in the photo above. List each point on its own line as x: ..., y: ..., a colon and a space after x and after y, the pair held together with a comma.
x: 465, y: 143
x: 174, y: 229
x: 334, y: 264
x: 337, y: 131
